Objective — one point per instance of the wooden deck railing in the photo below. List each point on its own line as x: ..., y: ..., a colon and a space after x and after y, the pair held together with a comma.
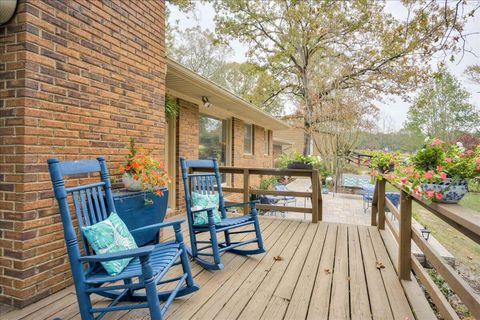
x: 246, y: 190
x: 461, y: 218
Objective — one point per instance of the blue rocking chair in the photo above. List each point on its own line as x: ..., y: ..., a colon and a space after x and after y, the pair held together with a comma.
x: 206, y: 183
x: 151, y: 260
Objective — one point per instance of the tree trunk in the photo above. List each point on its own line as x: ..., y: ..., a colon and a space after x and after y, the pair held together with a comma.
x: 307, y: 135
x: 307, y: 142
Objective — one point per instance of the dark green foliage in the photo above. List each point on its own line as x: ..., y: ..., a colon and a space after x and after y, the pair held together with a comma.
x: 382, y: 160
x: 428, y: 158
x: 440, y: 282
x: 267, y: 184
x: 171, y: 107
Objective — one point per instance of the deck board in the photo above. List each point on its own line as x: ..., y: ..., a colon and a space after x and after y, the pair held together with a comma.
x: 310, y: 271
x: 339, y: 306
x: 360, y: 306
x: 298, y: 306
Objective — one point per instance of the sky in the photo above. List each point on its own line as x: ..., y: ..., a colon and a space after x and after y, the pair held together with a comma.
x: 393, y: 112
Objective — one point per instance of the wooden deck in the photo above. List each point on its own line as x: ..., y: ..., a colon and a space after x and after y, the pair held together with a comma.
x: 310, y: 271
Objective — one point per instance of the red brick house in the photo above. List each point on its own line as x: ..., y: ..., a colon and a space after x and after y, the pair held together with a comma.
x: 77, y: 80
x: 228, y: 128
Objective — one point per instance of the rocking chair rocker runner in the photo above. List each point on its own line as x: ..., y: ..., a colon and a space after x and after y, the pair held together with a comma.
x: 205, y: 183
x: 151, y: 261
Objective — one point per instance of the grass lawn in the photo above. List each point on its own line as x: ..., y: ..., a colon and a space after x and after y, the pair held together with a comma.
x: 472, y: 201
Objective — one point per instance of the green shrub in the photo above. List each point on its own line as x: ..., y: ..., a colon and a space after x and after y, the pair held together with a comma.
x: 267, y: 184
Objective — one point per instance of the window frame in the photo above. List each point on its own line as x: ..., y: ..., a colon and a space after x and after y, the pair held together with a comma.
x: 251, y: 139
x: 266, y: 142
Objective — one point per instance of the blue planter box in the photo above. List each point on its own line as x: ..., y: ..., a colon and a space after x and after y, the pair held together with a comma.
x: 131, y: 208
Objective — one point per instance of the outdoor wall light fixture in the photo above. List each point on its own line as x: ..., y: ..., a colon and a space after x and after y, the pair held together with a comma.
x: 206, y: 102
x: 425, y: 233
x: 7, y: 9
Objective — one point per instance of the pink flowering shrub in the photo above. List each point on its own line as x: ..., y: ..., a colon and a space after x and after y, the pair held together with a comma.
x: 436, y: 162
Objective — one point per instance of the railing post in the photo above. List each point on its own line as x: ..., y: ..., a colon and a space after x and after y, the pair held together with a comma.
x: 320, y: 201
x: 405, y: 236
x: 315, y: 193
x: 373, y: 220
x: 246, y: 190
x: 381, y: 204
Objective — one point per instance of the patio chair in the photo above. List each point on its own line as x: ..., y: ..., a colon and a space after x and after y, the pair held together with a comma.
x: 151, y: 261
x: 205, y: 184
x: 367, y: 196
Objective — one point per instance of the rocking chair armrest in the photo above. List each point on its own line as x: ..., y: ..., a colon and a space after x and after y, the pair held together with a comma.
x: 131, y: 253
x: 173, y: 223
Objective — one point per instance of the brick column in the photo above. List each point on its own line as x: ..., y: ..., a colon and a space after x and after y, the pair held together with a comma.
x: 77, y: 80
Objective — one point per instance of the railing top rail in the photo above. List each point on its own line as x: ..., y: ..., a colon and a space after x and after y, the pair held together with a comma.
x: 463, y: 219
x: 262, y: 171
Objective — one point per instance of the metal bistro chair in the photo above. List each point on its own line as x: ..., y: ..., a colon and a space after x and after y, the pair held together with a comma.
x: 93, y: 203
x: 205, y: 183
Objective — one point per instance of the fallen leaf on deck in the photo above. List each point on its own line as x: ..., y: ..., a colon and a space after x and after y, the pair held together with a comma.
x: 380, y: 265
x: 278, y: 258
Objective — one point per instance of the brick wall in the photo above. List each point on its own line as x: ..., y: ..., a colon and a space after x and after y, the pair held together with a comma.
x: 187, y: 143
x: 77, y: 79
x: 277, y: 152
x: 256, y: 160
x: 187, y: 131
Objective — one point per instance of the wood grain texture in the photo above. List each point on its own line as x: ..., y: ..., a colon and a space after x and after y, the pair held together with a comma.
x: 310, y: 271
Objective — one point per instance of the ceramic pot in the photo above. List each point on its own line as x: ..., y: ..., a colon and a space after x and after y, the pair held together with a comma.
x: 452, y: 190
x: 133, y: 211
x: 130, y: 183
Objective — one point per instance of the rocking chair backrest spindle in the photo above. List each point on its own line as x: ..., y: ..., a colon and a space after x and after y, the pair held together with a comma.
x: 204, y: 182
x: 92, y: 202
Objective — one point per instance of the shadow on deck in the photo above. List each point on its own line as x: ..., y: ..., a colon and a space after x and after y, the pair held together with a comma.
x: 310, y: 271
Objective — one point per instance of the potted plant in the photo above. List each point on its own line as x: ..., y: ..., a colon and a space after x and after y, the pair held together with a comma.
x: 383, y: 162
x: 144, y: 200
x: 296, y: 160
x: 439, y: 171
x: 142, y: 172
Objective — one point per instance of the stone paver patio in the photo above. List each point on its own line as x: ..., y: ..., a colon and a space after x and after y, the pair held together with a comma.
x: 337, y: 208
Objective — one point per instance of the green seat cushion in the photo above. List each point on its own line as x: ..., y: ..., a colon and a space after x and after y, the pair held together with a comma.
x: 110, y: 235
x: 202, y: 201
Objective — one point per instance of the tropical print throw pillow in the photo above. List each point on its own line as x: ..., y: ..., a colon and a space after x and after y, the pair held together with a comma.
x: 202, y: 201
x: 110, y: 235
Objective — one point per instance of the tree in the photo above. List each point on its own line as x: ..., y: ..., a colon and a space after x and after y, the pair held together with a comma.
x: 442, y: 110
x: 316, y: 47
x: 473, y: 72
x: 200, y: 51
x: 253, y: 83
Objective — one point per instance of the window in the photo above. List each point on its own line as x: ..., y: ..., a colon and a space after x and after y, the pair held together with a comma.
x: 248, y: 139
x: 212, y: 139
x: 266, y: 141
